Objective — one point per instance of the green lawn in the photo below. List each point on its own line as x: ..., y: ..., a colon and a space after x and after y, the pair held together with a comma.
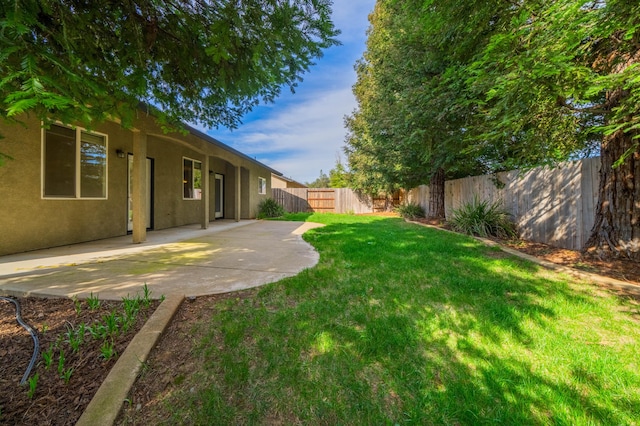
x: 403, y: 324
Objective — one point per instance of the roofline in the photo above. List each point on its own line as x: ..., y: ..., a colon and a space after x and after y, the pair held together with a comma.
x: 216, y: 142
x: 148, y: 109
x: 290, y: 180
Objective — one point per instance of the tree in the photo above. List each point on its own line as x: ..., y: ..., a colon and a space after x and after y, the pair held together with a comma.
x: 321, y: 182
x: 500, y: 85
x: 409, y: 126
x: 558, y: 76
x: 338, y: 176
x: 203, y: 61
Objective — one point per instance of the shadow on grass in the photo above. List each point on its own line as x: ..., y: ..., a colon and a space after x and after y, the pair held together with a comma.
x: 399, y: 323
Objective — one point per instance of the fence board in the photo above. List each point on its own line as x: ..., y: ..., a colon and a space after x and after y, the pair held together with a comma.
x: 321, y: 200
x: 343, y: 200
x: 554, y: 206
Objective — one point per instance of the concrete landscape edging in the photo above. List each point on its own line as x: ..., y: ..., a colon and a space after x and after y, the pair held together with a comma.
x: 107, y: 402
x: 595, y: 278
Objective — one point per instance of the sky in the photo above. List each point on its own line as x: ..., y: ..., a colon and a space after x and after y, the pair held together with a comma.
x: 303, y: 133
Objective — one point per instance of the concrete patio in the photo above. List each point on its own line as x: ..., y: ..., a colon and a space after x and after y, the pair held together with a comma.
x: 187, y: 261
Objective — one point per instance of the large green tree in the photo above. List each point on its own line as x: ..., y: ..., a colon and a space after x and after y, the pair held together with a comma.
x: 560, y: 75
x: 385, y: 147
x: 199, y: 61
x: 411, y: 118
x: 503, y: 85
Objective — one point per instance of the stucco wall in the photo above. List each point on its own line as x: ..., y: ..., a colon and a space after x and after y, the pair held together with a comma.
x: 251, y: 189
x: 170, y: 209
x: 29, y: 222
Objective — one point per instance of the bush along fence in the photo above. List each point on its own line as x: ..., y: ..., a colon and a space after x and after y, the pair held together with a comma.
x: 549, y: 205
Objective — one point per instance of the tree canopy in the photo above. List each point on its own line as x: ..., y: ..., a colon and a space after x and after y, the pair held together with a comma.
x: 321, y: 181
x: 462, y: 86
x: 200, y: 61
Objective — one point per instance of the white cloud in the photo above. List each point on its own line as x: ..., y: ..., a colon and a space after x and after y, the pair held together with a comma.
x: 302, y: 138
x: 302, y: 133
x: 351, y: 17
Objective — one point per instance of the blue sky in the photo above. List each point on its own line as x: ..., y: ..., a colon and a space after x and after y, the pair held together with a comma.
x: 302, y: 133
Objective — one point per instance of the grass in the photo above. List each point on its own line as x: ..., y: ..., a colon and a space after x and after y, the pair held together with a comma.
x: 404, y: 324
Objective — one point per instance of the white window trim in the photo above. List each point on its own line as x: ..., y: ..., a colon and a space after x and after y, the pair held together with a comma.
x: 193, y: 160
x: 260, y: 186
x: 78, y: 183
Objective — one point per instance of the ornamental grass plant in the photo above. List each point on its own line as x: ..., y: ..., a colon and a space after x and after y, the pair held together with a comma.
x: 411, y: 211
x: 269, y: 208
x: 484, y: 219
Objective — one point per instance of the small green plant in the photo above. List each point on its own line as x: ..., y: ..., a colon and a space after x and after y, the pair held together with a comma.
x: 111, y: 324
x: 77, y: 305
x: 82, y: 330
x: 410, y: 211
x: 483, y: 218
x: 45, y: 328
x: 146, y: 296
x: 144, y: 368
x: 33, y: 384
x: 107, y: 351
x: 61, y: 361
x: 66, y: 375
x: 93, y: 302
x: 75, y: 338
x: 270, y: 208
x: 131, y: 308
x: 98, y: 331
x: 47, y: 357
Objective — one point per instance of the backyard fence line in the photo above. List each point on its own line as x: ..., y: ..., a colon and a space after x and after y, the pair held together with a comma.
x: 335, y: 200
x: 549, y: 205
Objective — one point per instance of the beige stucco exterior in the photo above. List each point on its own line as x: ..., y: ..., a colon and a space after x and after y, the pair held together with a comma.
x: 278, y: 181
x: 29, y: 221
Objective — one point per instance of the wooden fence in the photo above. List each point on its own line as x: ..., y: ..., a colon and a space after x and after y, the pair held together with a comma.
x: 553, y: 206
x: 334, y: 200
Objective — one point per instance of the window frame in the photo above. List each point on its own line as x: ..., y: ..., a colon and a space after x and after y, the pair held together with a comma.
x: 262, y: 186
x: 77, y: 161
x: 193, y: 179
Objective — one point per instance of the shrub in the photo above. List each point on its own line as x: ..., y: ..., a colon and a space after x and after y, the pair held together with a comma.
x: 410, y: 211
x: 484, y: 219
x: 270, y: 208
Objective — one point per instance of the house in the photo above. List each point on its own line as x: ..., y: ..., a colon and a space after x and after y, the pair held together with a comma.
x: 279, y: 181
x: 67, y: 184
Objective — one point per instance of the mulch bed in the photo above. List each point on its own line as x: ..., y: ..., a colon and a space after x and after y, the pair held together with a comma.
x: 55, y: 401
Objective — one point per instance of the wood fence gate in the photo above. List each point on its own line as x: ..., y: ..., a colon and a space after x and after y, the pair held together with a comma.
x: 387, y: 203
x: 321, y: 200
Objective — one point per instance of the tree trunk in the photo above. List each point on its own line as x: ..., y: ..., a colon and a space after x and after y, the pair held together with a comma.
x: 616, y: 231
x: 436, y: 195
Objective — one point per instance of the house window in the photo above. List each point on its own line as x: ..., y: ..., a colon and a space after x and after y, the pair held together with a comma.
x: 74, y: 163
x: 262, y: 186
x: 192, y: 179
